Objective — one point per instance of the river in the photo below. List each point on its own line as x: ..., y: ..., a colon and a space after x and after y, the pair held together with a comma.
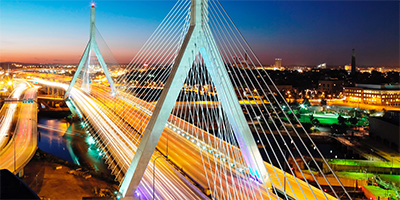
x: 68, y: 141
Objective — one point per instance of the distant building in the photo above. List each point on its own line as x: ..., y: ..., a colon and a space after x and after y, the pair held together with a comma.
x: 278, y: 63
x: 331, y: 86
x: 385, y: 95
x: 390, y: 134
x: 280, y: 88
x: 321, y: 66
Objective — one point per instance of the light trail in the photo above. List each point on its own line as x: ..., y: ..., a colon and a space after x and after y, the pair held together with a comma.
x: 9, y: 110
x: 22, y: 147
x: 169, y: 185
x: 117, y: 141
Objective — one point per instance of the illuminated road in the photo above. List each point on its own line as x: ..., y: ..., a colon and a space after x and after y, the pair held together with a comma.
x: 7, y: 113
x: 185, y: 153
x: 169, y: 185
x: 182, y: 152
x: 23, y: 145
x: 340, y: 102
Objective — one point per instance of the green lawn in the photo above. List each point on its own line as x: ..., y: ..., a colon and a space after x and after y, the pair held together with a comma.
x: 363, y: 163
x: 379, y: 192
x: 323, y: 118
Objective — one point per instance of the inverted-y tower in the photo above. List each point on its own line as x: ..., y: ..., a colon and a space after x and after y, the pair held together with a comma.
x: 92, y: 45
x: 198, y: 40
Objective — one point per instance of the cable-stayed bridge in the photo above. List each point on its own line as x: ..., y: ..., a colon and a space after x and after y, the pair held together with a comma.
x: 157, y: 152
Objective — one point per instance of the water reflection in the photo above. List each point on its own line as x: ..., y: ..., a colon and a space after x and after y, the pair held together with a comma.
x: 51, y: 137
x: 69, y: 141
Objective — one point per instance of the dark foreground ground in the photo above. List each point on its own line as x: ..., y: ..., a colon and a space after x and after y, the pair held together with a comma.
x: 52, y: 178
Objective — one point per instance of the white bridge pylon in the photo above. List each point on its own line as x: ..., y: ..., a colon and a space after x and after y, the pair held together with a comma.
x: 92, y: 45
x: 198, y: 41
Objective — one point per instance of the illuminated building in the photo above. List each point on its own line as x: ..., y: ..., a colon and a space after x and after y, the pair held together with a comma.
x: 278, y: 63
x: 390, y: 134
x: 321, y: 66
x: 330, y: 86
x: 385, y: 95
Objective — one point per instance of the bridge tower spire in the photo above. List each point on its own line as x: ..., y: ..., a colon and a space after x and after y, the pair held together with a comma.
x: 198, y: 40
x: 91, y: 45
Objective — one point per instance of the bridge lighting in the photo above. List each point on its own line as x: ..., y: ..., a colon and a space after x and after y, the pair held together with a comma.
x: 9, y: 82
x: 91, y: 141
x: 137, y: 193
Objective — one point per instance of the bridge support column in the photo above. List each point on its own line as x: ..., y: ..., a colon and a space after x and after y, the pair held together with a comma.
x: 195, y: 42
x: 92, y: 45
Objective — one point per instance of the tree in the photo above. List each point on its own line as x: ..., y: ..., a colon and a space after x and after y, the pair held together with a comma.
x: 353, y: 121
x: 341, y: 120
x: 315, y: 122
x: 323, y: 102
x: 306, y: 102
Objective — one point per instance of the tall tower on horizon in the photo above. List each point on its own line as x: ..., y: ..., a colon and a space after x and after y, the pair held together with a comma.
x: 353, y: 62
x: 92, y: 45
x: 278, y: 63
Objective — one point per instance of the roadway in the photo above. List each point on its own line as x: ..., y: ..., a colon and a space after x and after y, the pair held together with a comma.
x: 185, y: 153
x: 169, y: 184
x: 23, y: 145
x: 7, y: 114
x: 182, y: 152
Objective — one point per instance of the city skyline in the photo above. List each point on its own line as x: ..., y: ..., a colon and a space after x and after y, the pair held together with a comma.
x: 301, y: 33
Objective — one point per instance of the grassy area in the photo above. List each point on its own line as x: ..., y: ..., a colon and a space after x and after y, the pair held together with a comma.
x: 323, y: 118
x: 379, y: 192
x: 363, y: 163
x: 390, y: 178
x: 354, y: 175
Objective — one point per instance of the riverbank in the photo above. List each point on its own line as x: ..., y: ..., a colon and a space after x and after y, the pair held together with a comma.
x: 53, y: 178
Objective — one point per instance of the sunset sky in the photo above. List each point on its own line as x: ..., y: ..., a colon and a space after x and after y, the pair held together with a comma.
x: 299, y: 32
